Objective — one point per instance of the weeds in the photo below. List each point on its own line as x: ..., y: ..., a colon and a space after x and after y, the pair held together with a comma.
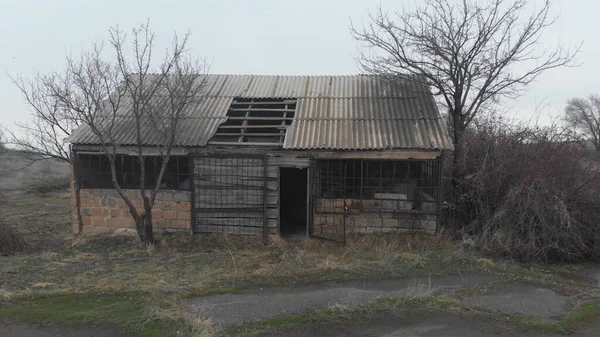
x: 11, y: 240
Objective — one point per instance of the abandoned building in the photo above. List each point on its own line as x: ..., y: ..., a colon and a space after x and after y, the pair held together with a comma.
x: 258, y: 155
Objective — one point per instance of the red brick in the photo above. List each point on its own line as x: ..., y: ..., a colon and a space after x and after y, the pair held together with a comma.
x: 85, y: 211
x: 113, y: 222
x: 86, y: 220
x: 115, y: 212
x: 97, y: 211
x: 178, y: 224
x: 184, y: 207
x: 170, y: 215
x: 169, y: 205
x: 184, y: 215
x: 126, y: 222
x: 96, y: 202
x: 162, y: 223
x: 88, y: 229
x: 98, y: 221
x: 157, y: 213
x: 84, y: 202
x: 102, y: 229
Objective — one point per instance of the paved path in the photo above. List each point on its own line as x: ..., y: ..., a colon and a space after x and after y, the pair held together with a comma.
x: 256, y: 305
x: 522, y: 299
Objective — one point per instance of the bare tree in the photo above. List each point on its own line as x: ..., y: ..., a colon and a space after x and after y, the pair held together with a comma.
x: 584, y: 116
x: 2, y: 140
x: 153, y: 100
x: 472, y: 53
x: 43, y: 138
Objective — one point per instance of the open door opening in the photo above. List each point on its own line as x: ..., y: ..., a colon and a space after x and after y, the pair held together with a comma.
x: 292, y: 207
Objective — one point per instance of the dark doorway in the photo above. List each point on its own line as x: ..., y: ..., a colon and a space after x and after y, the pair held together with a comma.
x: 292, y: 207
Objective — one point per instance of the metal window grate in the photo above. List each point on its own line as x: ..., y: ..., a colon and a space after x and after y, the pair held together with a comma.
x: 230, y: 195
x: 256, y: 121
x: 416, y: 182
x: 95, y: 172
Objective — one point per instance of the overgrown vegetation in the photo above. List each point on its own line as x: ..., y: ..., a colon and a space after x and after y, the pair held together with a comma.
x: 11, y: 240
x: 529, y: 192
x: 97, y: 279
x: 144, y: 314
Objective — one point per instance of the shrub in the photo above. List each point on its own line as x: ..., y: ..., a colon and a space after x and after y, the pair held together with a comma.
x: 11, y: 240
x: 530, y: 192
x: 42, y: 185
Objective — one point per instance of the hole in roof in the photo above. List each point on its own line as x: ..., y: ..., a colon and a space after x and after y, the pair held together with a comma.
x: 261, y: 121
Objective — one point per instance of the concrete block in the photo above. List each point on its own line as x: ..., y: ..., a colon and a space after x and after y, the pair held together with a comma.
x: 390, y: 223
x: 428, y: 206
x: 405, y: 205
x: 182, y: 196
x: 361, y: 222
x: 389, y: 205
x: 375, y: 222
x: 405, y: 223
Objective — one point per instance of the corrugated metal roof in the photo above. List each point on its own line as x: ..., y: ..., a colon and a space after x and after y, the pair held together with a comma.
x: 333, y: 112
x: 195, y: 129
x: 343, y: 86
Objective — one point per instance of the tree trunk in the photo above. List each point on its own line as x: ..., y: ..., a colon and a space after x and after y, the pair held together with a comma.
x: 458, y: 153
x: 148, y: 221
x: 140, y: 227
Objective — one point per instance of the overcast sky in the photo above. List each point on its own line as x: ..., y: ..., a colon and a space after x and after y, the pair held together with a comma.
x: 257, y: 37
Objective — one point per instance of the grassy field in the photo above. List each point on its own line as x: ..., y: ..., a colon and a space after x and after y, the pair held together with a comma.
x: 104, y: 279
x: 18, y: 174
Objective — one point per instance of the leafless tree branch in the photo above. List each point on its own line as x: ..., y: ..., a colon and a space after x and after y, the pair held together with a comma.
x: 584, y: 116
x: 471, y: 53
x: 154, y: 94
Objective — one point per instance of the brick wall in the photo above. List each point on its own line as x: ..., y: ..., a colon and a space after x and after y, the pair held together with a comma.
x: 104, y: 211
x: 372, y: 216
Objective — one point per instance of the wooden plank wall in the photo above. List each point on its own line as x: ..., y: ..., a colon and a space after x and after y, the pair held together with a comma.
x: 228, y: 195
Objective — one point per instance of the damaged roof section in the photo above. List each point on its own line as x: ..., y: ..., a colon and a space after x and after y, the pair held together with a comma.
x: 260, y: 121
x: 324, y: 112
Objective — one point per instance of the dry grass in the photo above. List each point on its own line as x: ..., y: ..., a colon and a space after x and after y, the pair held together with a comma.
x: 11, y: 240
x: 182, y: 265
x: 170, y: 310
x: 18, y: 174
x: 185, y: 264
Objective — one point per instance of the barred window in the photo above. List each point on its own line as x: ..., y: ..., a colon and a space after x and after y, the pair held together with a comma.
x: 95, y: 172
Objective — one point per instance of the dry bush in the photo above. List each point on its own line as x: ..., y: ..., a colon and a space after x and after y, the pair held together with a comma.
x: 170, y: 310
x: 11, y: 240
x: 530, y: 192
x: 42, y: 185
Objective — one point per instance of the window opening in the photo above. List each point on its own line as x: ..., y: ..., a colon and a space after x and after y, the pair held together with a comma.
x: 412, y: 181
x: 94, y: 172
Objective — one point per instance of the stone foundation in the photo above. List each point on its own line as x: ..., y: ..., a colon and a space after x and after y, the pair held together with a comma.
x: 104, y: 211
x: 372, y: 216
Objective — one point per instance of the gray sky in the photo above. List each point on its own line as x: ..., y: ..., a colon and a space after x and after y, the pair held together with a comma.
x: 257, y: 37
